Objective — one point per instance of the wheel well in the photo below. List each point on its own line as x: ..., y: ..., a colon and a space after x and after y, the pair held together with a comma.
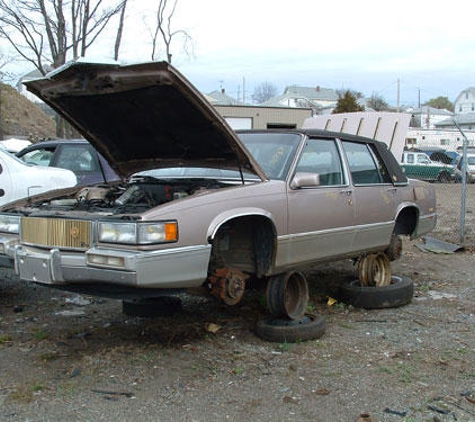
x: 406, y: 221
x: 246, y: 243
x: 444, y: 174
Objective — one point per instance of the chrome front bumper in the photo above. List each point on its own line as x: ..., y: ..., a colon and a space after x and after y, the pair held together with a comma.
x: 7, y: 250
x: 170, y: 268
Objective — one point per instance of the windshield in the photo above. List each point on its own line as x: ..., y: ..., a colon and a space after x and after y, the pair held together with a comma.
x: 272, y: 151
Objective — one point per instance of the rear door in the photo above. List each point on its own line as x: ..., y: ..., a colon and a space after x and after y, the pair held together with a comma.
x: 373, y: 195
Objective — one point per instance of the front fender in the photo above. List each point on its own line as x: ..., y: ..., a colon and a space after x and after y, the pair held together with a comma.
x: 228, y: 215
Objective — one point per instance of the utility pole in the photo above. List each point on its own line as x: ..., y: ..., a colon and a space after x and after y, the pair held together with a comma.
x: 398, y: 94
x: 464, y: 184
x: 1, y: 131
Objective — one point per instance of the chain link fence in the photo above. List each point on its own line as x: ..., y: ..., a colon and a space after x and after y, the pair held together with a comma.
x: 455, y: 220
x: 455, y: 200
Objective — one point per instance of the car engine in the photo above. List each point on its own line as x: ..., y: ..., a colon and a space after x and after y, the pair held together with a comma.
x: 137, y: 196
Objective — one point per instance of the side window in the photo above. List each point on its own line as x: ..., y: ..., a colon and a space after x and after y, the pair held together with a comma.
x: 365, y: 166
x: 410, y: 158
x: 39, y: 157
x: 422, y: 159
x: 321, y: 156
x: 77, y: 158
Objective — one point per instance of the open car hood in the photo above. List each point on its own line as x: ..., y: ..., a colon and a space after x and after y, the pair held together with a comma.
x: 143, y: 116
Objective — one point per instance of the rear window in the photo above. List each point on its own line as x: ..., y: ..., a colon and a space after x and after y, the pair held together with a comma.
x: 78, y: 158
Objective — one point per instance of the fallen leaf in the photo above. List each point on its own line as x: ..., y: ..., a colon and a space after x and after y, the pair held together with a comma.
x: 212, y: 328
x: 323, y: 392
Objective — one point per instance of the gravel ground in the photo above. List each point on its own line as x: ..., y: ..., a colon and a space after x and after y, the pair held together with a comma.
x: 80, y: 358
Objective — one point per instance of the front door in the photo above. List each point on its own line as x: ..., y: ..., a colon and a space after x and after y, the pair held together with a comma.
x: 320, y: 218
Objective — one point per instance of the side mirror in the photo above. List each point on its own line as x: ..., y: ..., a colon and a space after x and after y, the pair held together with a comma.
x: 305, y: 180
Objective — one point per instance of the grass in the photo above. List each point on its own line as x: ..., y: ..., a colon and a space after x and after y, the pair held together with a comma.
x: 25, y: 393
x: 48, y: 356
x: 284, y: 347
x: 39, y: 334
x: 5, y: 338
x: 238, y: 370
x: 403, y: 372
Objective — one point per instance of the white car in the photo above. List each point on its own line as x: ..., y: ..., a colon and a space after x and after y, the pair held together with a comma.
x: 19, y: 180
x: 15, y: 145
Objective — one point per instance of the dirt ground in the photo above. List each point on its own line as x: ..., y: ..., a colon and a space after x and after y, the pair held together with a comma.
x: 80, y: 358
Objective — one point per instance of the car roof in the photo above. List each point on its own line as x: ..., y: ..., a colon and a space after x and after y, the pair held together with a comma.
x: 396, y: 173
x: 54, y: 142
x: 315, y: 133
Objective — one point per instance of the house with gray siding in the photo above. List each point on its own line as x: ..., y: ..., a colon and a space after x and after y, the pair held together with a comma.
x: 465, y: 102
x: 219, y: 97
x: 428, y: 117
x: 321, y: 100
x: 464, y: 107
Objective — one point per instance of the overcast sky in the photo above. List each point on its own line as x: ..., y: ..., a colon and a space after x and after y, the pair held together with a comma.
x: 363, y: 45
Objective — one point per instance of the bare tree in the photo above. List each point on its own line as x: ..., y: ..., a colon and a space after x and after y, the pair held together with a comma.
x: 5, y: 60
x: 4, y: 75
x: 163, y: 29
x: 44, y: 32
x: 377, y: 103
x: 264, y: 92
x: 120, y: 30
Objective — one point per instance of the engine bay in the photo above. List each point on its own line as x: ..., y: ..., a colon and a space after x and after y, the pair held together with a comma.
x: 137, y: 196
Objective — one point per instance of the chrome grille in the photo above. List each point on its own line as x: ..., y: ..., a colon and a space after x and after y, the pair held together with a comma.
x: 56, y: 232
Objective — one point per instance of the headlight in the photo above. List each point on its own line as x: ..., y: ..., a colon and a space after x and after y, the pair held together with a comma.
x: 138, y: 233
x: 10, y: 223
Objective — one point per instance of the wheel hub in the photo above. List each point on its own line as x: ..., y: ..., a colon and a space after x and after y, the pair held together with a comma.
x: 228, y: 285
x: 374, y: 270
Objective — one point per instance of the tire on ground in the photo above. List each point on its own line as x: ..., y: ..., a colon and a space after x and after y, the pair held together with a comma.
x: 398, y: 293
x: 309, y: 327
x: 152, y: 307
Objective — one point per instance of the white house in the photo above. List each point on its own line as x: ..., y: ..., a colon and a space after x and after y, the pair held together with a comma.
x: 427, y: 117
x: 321, y: 100
x: 465, y: 102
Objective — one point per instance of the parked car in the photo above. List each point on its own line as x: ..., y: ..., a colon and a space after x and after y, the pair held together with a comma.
x: 15, y: 145
x: 19, y: 180
x: 418, y: 165
x: 72, y: 154
x: 208, y: 208
x: 470, y: 168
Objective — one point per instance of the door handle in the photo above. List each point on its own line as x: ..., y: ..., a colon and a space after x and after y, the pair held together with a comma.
x: 348, y: 193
